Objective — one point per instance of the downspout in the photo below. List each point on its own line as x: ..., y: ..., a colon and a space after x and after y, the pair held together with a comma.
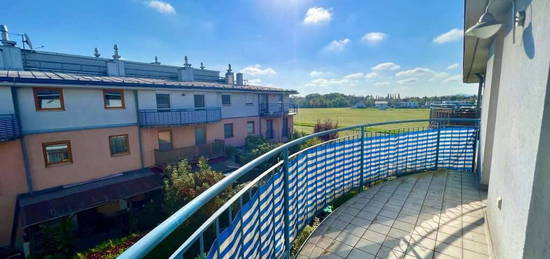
x: 479, y: 91
x: 136, y: 101
x: 28, y: 174
x: 260, y: 116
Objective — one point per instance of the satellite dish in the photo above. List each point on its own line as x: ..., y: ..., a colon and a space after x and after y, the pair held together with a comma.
x: 27, y: 39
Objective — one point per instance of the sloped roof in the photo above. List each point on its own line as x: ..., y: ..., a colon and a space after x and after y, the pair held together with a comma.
x: 56, y: 78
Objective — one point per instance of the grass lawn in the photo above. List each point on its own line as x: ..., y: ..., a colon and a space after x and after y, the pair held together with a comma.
x: 307, y: 117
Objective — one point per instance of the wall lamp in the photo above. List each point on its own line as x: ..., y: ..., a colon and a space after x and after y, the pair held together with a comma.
x: 486, y: 27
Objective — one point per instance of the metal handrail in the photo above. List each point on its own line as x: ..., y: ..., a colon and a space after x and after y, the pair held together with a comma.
x: 155, y: 236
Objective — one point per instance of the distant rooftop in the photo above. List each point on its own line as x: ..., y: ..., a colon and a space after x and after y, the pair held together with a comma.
x: 26, y: 65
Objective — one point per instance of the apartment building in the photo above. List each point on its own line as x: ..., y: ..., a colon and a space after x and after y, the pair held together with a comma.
x: 78, y: 134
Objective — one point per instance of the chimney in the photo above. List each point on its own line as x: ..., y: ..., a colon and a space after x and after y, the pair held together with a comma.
x: 229, y: 79
x: 240, y: 81
x: 185, y: 73
x: 116, y: 67
x: 10, y: 55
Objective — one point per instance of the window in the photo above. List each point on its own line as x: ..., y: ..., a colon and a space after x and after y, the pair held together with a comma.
x: 199, y: 101
x: 119, y: 145
x: 57, y: 152
x: 228, y: 130
x: 226, y: 99
x: 165, y: 140
x: 250, y: 99
x: 280, y: 98
x: 200, y: 136
x: 48, y: 99
x: 163, y: 102
x: 250, y: 129
x: 113, y: 99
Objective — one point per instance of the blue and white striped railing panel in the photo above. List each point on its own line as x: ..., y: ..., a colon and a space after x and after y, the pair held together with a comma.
x: 322, y: 173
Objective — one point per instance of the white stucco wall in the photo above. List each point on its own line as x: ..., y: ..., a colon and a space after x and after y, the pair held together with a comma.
x: 84, y: 108
x: 178, y: 99
x: 6, y: 102
x: 239, y: 106
x: 515, y: 159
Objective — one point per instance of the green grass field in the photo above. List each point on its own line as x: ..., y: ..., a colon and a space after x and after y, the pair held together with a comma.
x: 307, y: 117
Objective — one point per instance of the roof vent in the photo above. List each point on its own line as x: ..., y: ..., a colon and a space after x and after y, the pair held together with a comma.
x: 116, y: 56
x: 5, y: 38
x: 156, y: 61
x: 96, y: 53
x: 229, y: 79
x: 240, y: 81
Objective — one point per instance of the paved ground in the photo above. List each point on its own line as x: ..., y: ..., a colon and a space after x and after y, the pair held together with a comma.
x: 428, y: 215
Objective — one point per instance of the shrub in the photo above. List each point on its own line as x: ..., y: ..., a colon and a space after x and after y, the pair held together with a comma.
x: 58, y: 238
x: 324, y: 126
x: 110, y: 249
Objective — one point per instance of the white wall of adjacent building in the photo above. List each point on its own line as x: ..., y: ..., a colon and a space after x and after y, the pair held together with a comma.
x: 520, y: 159
x: 84, y: 108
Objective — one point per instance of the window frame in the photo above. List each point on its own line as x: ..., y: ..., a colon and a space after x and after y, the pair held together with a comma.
x: 253, y: 127
x: 232, y: 130
x: 229, y: 98
x: 122, y: 100
x: 203, y: 107
x: 37, y: 101
x: 69, y: 150
x: 127, y: 145
x: 169, y: 101
x: 171, y: 139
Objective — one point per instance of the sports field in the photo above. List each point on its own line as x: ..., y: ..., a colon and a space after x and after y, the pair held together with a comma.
x: 307, y: 117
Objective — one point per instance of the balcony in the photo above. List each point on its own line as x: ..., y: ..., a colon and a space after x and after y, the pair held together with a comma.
x: 9, y: 128
x: 277, y: 109
x: 178, y: 117
x: 192, y: 153
x: 416, y: 195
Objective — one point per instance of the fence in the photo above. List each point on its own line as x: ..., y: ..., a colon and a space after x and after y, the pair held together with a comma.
x: 264, y: 217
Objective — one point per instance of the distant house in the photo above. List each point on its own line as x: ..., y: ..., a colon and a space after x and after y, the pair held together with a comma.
x: 359, y: 105
x: 408, y: 104
x: 381, y: 105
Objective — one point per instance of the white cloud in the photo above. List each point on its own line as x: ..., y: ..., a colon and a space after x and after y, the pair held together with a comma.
x: 386, y: 66
x: 355, y: 76
x: 407, y: 80
x: 324, y: 82
x: 338, y: 45
x: 255, y: 81
x: 419, y: 71
x: 386, y: 83
x: 455, y: 78
x: 315, y: 73
x: 453, y: 66
x: 371, y: 75
x: 373, y: 37
x: 316, y: 15
x: 161, y: 7
x: 258, y: 70
x: 452, y: 35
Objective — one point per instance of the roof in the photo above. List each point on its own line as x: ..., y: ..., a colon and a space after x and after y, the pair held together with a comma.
x: 68, y: 79
x: 45, y: 205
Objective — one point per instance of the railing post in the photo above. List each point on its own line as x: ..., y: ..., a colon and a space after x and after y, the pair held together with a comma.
x: 286, y: 204
x: 437, y: 145
x: 362, y: 182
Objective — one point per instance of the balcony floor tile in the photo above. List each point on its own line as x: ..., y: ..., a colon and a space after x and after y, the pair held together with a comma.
x: 427, y: 215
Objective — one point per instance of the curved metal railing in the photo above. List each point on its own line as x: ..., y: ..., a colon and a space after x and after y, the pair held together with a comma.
x: 265, y: 215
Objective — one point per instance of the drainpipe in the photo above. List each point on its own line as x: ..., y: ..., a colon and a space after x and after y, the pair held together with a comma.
x: 26, y: 166
x: 479, y: 90
x: 136, y: 101
x: 260, y: 116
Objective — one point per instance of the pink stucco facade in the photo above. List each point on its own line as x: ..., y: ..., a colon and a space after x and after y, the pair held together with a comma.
x: 91, y: 156
x: 184, y: 136
x: 12, y: 182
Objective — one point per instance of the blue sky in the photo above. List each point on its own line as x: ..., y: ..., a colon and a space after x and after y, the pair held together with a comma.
x: 355, y: 47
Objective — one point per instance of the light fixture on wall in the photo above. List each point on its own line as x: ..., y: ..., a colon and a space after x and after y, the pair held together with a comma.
x: 486, y: 27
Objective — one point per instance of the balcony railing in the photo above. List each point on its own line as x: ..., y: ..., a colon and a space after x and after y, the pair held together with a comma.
x: 9, y: 128
x: 212, y: 150
x: 277, y: 109
x: 264, y: 217
x: 178, y: 117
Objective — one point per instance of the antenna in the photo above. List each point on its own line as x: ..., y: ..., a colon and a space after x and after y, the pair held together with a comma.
x: 27, y: 40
